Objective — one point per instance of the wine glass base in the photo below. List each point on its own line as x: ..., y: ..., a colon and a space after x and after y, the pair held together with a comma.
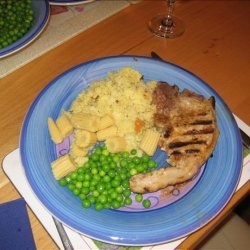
x: 157, y: 26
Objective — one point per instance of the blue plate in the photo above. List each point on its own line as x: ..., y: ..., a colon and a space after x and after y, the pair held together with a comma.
x: 178, y: 219
x: 69, y: 2
x: 41, y: 17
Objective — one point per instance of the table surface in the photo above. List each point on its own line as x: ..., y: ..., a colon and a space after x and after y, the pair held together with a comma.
x: 215, y: 47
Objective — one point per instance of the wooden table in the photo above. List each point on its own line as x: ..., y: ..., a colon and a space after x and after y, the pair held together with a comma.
x: 215, y: 47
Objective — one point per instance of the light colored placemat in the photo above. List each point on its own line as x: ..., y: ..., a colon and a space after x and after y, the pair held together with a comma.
x: 67, y: 23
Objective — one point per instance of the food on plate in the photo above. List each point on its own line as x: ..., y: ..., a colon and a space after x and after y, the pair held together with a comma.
x: 84, y: 138
x: 189, y: 135
x: 103, y: 181
x: 106, y: 133
x: 54, y: 131
x: 85, y: 121
x: 62, y: 166
x: 150, y: 141
x: 126, y: 114
x: 16, y: 18
x: 64, y: 125
x: 116, y: 144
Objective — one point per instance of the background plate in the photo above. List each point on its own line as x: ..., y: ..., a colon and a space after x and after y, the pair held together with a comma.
x: 191, y: 212
x: 69, y: 2
x: 41, y: 17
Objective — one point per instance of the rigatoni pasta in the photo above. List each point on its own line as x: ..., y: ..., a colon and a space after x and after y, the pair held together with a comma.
x: 105, y: 122
x: 84, y: 138
x: 77, y: 151
x: 54, y: 131
x: 64, y: 125
x: 85, y: 121
x: 62, y: 166
x: 106, y: 133
x: 150, y: 141
x: 116, y: 144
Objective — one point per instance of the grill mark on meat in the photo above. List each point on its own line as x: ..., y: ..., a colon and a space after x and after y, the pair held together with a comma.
x: 176, y: 152
x: 202, y: 122
x: 192, y: 151
x: 199, y: 132
x: 182, y: 144
x: 167, y: 133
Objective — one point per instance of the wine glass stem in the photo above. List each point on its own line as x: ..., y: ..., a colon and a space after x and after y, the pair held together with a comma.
x: 168, y: 22
x: 170, y: 8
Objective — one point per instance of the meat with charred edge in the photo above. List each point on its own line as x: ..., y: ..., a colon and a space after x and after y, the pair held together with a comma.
x: 189, y: 135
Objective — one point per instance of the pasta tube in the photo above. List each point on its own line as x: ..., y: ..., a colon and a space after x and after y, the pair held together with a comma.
x: 62, y: 166
x: 76, y: 151
x: 116, y: 144
x: 84, y: 138
x: 54, y: 131
x: 105, y: 122
x: 149, y: 142
x: 106, y: 133
x: 79, y: 161
x: 64, y: 125
x: 85, y: 121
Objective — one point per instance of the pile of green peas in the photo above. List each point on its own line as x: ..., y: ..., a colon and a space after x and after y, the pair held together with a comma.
x: 103, y: 181
x: 16, y: 17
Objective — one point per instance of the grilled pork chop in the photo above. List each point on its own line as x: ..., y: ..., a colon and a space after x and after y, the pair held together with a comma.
x: 189, y: 135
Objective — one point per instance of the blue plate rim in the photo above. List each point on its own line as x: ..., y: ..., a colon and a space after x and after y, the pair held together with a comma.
x: 234, y: 124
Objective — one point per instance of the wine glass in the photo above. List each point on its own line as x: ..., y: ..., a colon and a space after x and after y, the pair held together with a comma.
x: 166, y: 25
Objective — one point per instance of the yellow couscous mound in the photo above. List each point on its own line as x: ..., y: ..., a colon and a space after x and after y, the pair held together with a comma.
x: 124, y: 96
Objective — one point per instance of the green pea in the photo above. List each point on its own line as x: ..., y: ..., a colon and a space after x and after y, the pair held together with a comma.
x: 139, y: 168
x: 82, y: 196
x: 123, y: 163
x: 119, y: 198
x: 102, y: 199
x: 85, y: 190
x: 116, y: 204
x: 86, y: 184
x: 145, y: 158
x: 133, y: 171
x: 95, y: 193
x: 125, y: 183
x: 126, y: 192
x: 98, y: 206
x: 78, y: 184
x: 80, y: 170
x: 136, y: 160
x: 127, y: 201
x: 111, y: 173
x: 146, y: 203
x: 133, y: 152
x: 113, y: 195
x: 105, y: 152
x: 76, y: 191
x: 152, y: 164
x: 92, y: 199
x: 86, y: 203
x: 125, y: 154
x: 62, y: 182
x: 73, y: 175
x: 139, y: 197
x: 107, y: 205
x: 119, y: 190
x: 71, y: 186
x: 106, y: 178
